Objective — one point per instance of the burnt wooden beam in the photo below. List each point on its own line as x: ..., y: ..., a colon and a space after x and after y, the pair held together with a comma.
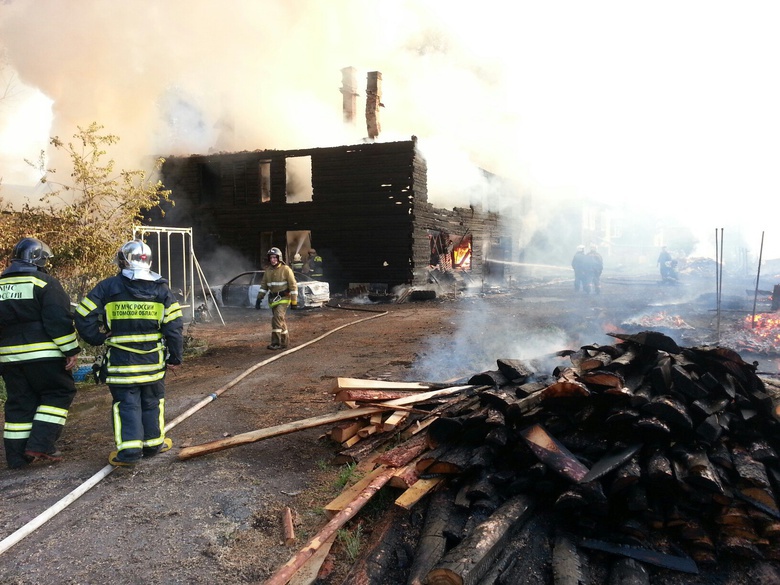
x: 469, y: 560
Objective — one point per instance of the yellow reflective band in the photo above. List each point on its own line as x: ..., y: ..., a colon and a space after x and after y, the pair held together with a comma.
x: 120, y: 380
x: 17, y: 431
x: 135, y: 368
x: 65, y: 338
x: 23, y: 426
x: 55, y: 410
x: 30, y: 355
x: 86, y: 306
x: 136, y: 338
x: 161, y: 423
x: 129, y: 445
x: 157, y: 347
x: 67, y: 342
x: 21, y: 279
x: 55, y: 420
x: 16, y: 435
x: 134, y: 310
x: 172, y: 316
x: 28, y: 347
x: 285, y: 301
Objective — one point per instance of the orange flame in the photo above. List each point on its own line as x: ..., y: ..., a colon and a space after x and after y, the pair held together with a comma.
x: 764, y: 326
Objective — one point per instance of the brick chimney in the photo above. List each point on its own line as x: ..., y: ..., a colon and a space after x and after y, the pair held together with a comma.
x: 373, y: 101
x: 349, y: 93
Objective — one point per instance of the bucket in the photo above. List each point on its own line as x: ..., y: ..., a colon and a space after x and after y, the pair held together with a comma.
x: 80, y: 373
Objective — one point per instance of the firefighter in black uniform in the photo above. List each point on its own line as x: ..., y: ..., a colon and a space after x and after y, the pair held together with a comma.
x: 38, y: 348
x: 137, y: 317
x: 313, y: 265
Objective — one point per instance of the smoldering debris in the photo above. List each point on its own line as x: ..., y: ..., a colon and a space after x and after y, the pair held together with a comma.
x: 642, y: 450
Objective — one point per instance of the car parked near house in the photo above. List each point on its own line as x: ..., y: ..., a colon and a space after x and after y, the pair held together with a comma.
x: 241, y: 291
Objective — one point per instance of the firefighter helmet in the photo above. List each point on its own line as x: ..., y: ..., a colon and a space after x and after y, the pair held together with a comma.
x: 136, y: 256
x: 33, y: 251
x: 297, y: 258
x: 275, y: 252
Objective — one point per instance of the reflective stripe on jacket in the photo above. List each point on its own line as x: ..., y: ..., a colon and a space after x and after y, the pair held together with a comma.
x: 36, y: 322
x: 144, y: 320
x: 278, y: 282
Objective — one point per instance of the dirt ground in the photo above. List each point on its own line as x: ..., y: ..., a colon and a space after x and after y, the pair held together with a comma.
x: 217, y: 518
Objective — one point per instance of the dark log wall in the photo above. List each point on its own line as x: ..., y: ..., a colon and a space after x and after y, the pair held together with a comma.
x: 368, y: 215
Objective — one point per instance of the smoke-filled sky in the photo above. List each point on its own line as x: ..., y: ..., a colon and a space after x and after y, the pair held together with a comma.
x: 647, y: 104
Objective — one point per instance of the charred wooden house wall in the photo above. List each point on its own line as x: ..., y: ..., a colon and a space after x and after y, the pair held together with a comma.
x: 369, y: 216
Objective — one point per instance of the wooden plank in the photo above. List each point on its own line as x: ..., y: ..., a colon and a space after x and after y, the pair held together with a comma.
x: 417, y: 492
x: 359, y: 384
x: 346, y: 430
x: 354, y: 439
x: 283, y: 575
x: 275, y: 431
x: 309, y: 571
x: 288, y: 526
x: 349, y: 493
x: 394, y: 420
x: 362, y: 395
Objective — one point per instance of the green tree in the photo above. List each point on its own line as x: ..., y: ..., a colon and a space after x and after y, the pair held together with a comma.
x: 86, y: 220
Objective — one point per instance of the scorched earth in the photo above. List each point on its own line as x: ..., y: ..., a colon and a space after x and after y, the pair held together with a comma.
x: 218, y: 518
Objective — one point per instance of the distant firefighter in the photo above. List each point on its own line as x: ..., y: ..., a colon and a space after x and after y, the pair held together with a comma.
x: 667, y: 266
x: 596, y: 267
x: 582, y: 274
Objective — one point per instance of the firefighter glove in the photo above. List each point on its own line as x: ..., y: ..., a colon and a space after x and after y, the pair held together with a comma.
x: 294, y: 301
x: 257, y: 302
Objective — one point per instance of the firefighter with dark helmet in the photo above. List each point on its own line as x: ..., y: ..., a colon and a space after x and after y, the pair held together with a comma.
x: 139, y: 320
x: 282, y: 290
x: 38, y: 348
x: 314, y: 265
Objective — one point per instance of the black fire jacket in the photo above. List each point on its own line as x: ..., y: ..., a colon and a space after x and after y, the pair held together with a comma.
x: 36, y: 322
x: 140, y: 321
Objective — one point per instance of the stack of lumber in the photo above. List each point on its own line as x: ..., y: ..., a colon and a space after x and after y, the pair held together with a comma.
x: 621, y: 461
x: 641, y: 450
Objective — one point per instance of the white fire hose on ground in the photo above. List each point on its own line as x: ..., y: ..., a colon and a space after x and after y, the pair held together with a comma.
x: 58, y: 507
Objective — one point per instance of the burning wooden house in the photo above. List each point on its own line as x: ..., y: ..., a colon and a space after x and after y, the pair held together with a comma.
x: 364, y: 207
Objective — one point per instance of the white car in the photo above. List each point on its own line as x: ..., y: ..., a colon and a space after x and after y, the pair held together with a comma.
x: 241, y: 291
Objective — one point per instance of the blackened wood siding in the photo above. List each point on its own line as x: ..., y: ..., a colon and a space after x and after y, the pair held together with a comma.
x: 368, y: 215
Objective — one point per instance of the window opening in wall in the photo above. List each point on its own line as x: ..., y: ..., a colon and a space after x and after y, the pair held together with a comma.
x: 299, y: 187
x: 265, y: 181
x: 461, y: 253
x: 298, y: 242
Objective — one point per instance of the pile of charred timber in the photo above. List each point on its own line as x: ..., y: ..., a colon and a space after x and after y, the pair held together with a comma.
x: 626, y: 459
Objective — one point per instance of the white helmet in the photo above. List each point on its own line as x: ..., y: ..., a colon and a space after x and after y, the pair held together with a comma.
x: 297, y: 258
x: 135, y: 257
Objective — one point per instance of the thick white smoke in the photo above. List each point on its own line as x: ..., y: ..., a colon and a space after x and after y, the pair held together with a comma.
x: 665, y: 107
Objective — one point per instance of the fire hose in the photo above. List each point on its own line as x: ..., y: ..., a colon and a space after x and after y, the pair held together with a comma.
x: 59, y: 506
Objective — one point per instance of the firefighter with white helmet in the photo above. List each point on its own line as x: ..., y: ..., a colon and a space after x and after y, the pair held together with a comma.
x: 38, y: 348
x: 297, y: 263
x: 138, y: 318
x: 282, y: 290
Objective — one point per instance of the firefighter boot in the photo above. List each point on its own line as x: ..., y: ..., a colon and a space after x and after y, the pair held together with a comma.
x: 275, y: 341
